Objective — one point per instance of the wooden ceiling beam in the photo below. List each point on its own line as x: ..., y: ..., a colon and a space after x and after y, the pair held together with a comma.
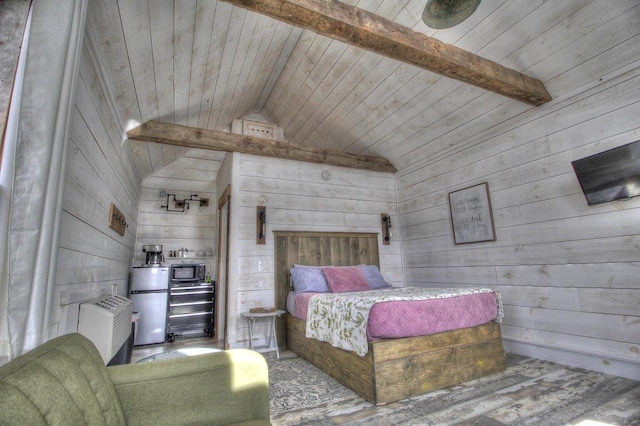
x: 191, y: 137
x: 364, y: 29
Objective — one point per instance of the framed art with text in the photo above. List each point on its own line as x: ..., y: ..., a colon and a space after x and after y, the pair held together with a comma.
x: 471, y: 215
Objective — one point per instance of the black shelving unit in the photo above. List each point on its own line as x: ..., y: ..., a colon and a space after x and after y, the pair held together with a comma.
x: 191, y: 310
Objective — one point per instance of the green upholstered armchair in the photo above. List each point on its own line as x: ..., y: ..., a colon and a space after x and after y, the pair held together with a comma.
x: 65, y: 382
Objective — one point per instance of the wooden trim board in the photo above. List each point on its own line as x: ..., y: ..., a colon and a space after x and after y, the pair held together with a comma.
x: 396, y: 369
x: 193, y: 137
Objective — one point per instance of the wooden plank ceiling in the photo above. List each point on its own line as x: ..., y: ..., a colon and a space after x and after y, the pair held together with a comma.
x: 204, y: 63
x: 369, y: 31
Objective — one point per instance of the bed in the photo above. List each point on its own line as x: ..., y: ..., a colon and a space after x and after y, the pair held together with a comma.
x: 391, y: 369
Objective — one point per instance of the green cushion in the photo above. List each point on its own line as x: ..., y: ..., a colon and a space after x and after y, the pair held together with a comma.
x: 63, y: 382
x: 220, y: 388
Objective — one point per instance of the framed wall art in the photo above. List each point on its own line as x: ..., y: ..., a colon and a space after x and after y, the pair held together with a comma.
x: 471, y: 214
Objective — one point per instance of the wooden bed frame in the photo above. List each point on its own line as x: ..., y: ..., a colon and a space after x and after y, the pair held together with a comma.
x: 392, y: 369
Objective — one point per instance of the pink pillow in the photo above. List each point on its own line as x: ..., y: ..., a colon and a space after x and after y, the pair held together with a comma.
x: 345, y: 278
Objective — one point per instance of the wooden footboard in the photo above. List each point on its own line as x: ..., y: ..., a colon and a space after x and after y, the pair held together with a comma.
x: 396, y: 369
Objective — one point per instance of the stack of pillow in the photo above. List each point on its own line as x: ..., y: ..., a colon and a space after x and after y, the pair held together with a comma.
x: 336, y: 279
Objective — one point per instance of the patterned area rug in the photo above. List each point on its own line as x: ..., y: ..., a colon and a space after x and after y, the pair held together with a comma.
x: 296, y: 384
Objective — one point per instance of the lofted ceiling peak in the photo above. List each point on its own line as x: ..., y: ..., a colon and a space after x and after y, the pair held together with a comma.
x: 205, y: 64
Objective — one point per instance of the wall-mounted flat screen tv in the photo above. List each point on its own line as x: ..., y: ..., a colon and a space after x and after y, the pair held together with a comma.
x: 610, y: 175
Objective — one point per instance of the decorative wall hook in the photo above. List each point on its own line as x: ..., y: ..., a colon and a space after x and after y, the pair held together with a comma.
x: 261, y: 224
x: 386, y: 228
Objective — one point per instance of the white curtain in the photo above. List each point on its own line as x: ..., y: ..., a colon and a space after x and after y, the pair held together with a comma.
x: 33, y: 169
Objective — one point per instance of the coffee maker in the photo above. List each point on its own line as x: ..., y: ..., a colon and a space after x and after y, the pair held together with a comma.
x: 154, y: 255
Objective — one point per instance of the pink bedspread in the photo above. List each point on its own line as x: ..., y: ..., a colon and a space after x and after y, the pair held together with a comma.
x: 390, y: 320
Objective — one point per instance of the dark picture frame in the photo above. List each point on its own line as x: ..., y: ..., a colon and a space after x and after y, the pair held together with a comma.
x: 471, y: 215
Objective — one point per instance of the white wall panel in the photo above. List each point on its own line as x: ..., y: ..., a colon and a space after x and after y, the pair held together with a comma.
x: 298, y: 198
x: 94, y: 258
x: 566, y: 271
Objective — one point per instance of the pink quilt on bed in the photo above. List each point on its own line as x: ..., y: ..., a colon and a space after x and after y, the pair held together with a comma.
x: 396, y: 319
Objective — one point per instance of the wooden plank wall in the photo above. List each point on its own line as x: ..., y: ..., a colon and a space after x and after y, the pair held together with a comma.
x: 298, y: 198
x: 196, y: 227
x: 218, y: 66
x: 319, y: 249
x: 567, y: 272
x: 93, y: 257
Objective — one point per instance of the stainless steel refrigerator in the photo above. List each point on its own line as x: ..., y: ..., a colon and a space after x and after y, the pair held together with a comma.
x: 149, y: 294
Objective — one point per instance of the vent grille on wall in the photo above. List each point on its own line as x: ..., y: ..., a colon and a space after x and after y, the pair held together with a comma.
x: 106, y: 321
x: 257, y: 129
x: 260, y: 131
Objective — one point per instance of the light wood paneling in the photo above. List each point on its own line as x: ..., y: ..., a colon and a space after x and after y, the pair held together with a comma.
x: 369, y: 31
x: 93, y: 258
x: 206, y: 63
x: 298, y: 198
x: 194, y: 229
x: 566, y: 271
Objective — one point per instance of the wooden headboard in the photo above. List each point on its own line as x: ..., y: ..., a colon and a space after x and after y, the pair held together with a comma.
x: 321, y: 249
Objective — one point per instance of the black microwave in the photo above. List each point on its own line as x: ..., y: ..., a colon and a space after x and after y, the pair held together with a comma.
x: 187, y: 272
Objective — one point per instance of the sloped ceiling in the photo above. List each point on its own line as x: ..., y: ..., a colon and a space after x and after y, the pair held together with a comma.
x: 204, y: 63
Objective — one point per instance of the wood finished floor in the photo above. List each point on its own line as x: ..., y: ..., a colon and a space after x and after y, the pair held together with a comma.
x: 140, y: 352
x: 528, y: 392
